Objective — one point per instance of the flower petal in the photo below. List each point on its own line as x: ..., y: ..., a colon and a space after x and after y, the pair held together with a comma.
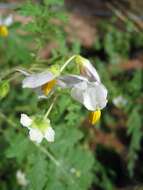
x: 36, y: 80
x: 35, y: 135
x: 90, y: 72
x: 8, y: 21
x: 71, y: 80
x: 25, y: 120
x: 95, y: 96
x: 50, y: 134
x: 87, y: 69
x: 78, y: 90
x: 92, y: 95
x: 21, y: 178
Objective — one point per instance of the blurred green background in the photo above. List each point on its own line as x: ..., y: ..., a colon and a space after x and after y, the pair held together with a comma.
x: 106, y: 156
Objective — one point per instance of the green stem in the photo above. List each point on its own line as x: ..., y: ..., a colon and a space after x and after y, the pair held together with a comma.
x: 9, y: 121
x: 47, y: 153
x: 14, y: 77
x: 16, y: 69
x: 55, y: 161
x: 7, y: 73
x: 67, y: 62
x: 50, y: 108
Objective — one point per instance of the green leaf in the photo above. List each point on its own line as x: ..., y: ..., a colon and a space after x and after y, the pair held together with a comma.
x: 54, y: 2
x: 28, y: 9
x: 136, y: 83
x: 19, y: 148
x: 134, y: 130
x: 4, y: 88
x: 37, y: 173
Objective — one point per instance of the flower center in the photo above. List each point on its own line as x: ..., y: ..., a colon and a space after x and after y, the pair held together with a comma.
x: 94, y: 116
x: 3, y: 31
x: 41, y: 124
x: 46, y: 88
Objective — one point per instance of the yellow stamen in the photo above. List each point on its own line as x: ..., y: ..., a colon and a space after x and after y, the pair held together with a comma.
x: 94, y: 116
x: 3, y: 31
x: 46, y: 88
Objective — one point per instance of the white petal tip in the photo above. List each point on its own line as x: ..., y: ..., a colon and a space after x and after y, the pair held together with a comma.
x: 50, y: 134
x: 35, y: 135
x: 25, y: 120
x: 9, y: 20
x: 21, y: 178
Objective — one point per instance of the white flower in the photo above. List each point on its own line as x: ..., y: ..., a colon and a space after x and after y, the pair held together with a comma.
x: 87, y: 88
x: 35, y: 135
x: 6, y: 21
x: 39, y: 128
x: 21, y: 178
x: 69, y: 81
x: 93, y: 95
x: 76, y: 172
x: 37, y: 80
x: 42, y: 83
x: 87, y: 69
x: 119, y: 101
x: 49, y: 135
x: 25, y: 120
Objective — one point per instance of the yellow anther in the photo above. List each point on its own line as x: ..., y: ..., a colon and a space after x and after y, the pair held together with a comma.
x: 3, y: 31
x: 94, y: 116
x: 46, y: 88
